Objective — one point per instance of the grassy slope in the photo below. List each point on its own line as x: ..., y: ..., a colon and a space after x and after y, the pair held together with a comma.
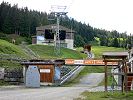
x: 98, y: 50
x: 47, y: 52
x: 9, y: 48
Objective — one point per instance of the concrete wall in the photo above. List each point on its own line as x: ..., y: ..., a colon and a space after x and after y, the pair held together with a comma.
x: 69, y: 43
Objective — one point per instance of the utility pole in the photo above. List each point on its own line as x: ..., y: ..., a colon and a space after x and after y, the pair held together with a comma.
x: 58, y: 13
x: 131, y: 40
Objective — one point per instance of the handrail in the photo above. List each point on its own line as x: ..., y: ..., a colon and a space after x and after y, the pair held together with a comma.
x: 70, y: 74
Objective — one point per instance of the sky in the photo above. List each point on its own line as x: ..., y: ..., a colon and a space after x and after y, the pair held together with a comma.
x: 102, y: 14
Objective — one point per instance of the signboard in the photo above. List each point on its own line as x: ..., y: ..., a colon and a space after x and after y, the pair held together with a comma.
x: 44, y: 70
x: 79, y: 62
x: 87, y: 62
x: 40, y: 39
x: 69, y: 61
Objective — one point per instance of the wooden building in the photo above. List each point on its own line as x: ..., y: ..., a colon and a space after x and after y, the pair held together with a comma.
x: 46, y: 69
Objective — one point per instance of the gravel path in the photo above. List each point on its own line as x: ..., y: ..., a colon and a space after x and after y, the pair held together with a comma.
x: 53, y: 93
x: 91, y: 80
x: 46, y: 93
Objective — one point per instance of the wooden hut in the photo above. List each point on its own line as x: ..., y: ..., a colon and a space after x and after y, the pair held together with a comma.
x: 46, y: 69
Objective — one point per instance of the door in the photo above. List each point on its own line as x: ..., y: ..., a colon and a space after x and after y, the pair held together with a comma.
x: 47, y: 73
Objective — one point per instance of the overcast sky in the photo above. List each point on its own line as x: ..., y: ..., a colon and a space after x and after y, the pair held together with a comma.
x: 105, y: 14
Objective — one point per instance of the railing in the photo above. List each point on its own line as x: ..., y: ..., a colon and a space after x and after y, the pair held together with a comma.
x: 71, y: 74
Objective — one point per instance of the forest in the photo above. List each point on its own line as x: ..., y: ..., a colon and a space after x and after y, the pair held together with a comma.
x: 23, y: 22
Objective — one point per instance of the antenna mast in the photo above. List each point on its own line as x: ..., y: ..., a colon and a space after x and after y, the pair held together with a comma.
x: 57, y: 11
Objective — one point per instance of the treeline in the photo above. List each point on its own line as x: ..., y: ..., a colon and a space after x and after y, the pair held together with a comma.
x: 20, y: 21
x: 23, y: 22
x: 113, y: 38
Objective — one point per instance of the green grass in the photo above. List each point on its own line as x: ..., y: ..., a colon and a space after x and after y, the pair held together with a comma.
x: 106, y: 96
x: 9, y: 48
x: 10, y: 64
x: 98, y: 50
x: 47, y: 52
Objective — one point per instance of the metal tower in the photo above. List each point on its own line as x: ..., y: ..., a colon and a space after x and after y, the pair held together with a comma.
x: 59, y: 12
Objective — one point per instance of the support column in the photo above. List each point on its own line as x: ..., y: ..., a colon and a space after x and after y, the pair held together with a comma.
x: 125, y: 76
x: 122, y: 84
x: 106, y: 77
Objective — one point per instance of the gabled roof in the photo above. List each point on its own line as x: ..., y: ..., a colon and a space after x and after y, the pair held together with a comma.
x: 53, y: 26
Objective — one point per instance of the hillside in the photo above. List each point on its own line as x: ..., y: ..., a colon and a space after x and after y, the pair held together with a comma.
x: 9, y: 48
x: 47, y: 52
x: 98, y: 50
x: 9, y: 51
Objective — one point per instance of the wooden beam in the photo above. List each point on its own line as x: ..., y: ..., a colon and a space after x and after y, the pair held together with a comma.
x: 112, y: 60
